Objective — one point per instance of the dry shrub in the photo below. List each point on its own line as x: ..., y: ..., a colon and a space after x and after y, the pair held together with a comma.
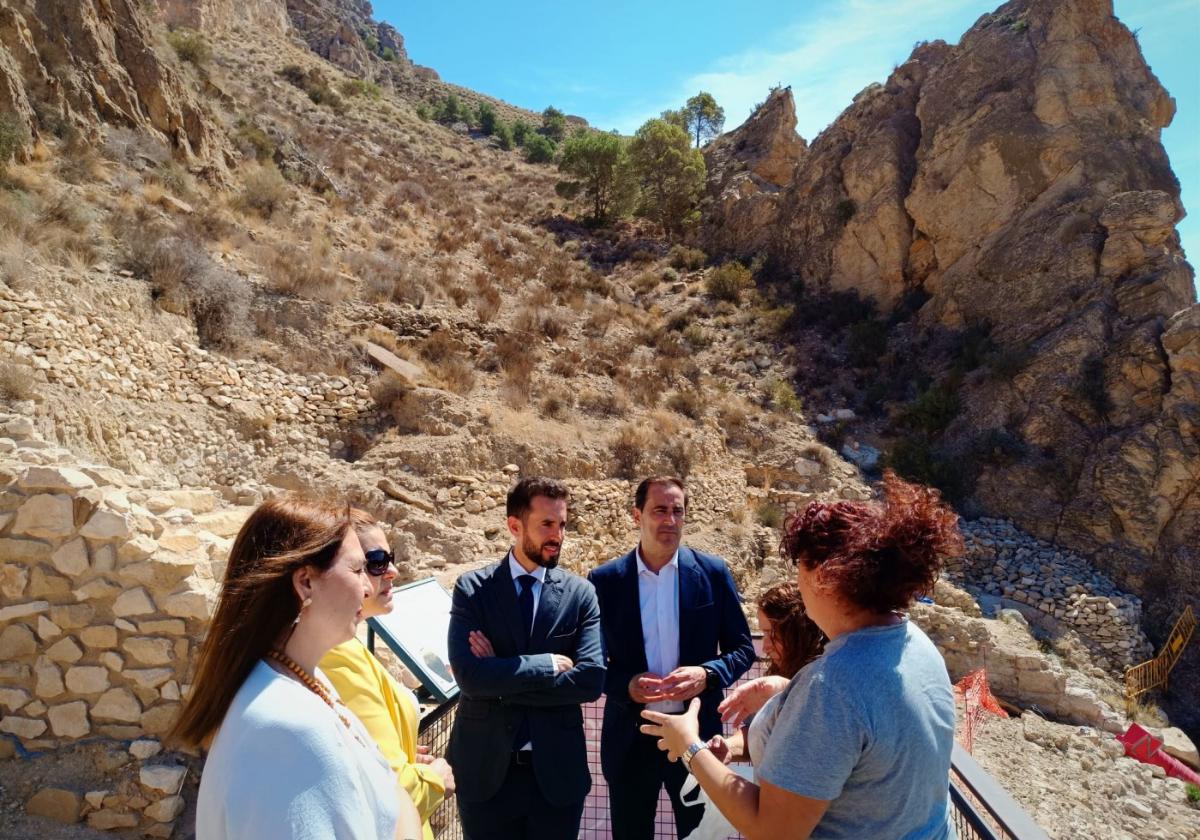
x: 598, y: 322
x: 628, y: 448
x: 385, y: 279
x: 185, y: 280
x: 517, y: 360
x: 646, y: 282
x: 302, y: 272
x: 16, y: 381
x: 439, y: 347
x: 388, y: 389
x: 264, y: 191
x: 688, y: 402
x: 487, y: 300
x: 458, y: 295
x: 566, y: 364
x: 404, y: 195
x: 733, y: 416
x: 456, y: 375
x: 604, y: 403
x: 645, y: 387
x: 557, y: 403
x: 689, y: 259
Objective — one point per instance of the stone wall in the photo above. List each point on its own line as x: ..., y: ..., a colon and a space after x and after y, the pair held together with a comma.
x: 1002, y: 562
x: 107, y: 586
x: 242, y: 407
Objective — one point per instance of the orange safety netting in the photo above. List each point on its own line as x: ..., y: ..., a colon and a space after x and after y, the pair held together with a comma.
x: 977, y: 699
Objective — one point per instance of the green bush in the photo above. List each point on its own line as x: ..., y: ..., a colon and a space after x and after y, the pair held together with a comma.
x: 388, y: 54
x: 504, y: 136
x: 866, y: 342
x: 13, y: 135
x: 1006, y: 363
x: 190, y: 46
x: 554, y: 124
x: 728, y: 281
x: 452, y: 110
x: 783, y: 396
x: 538, y: 149
x: 845, y: 210
x: 487, y: 119
x: 915, y: 460
x: 424, y: 112
x: 933, y: 410
x: 1193, y: 793
x: 521, y: 131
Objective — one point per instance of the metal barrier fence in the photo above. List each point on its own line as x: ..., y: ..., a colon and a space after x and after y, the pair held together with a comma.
x: 982, y: 808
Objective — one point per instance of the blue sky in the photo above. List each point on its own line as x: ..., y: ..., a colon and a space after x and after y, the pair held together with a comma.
x: 620, y: 63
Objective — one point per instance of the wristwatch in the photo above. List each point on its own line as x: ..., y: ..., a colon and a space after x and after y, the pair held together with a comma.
x: 711, y: 678
x: 690, y: 753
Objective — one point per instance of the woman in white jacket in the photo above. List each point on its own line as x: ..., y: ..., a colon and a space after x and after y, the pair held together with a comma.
x: 288, y: 759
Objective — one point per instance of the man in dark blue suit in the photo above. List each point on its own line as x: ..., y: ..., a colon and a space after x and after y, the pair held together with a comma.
x: 525, y: 648
x: 673, y: 630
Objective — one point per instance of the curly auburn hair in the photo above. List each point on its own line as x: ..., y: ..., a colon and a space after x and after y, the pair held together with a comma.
x: 799, y: 640
x: 877, y: 555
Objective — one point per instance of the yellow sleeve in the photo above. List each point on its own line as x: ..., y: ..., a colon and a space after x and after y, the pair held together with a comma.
x: 365, y: 687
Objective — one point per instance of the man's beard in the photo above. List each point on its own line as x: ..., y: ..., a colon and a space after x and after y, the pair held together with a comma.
x: 533, y: 551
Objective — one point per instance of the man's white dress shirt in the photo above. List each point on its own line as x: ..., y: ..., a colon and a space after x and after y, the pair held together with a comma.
x: 658, y: 598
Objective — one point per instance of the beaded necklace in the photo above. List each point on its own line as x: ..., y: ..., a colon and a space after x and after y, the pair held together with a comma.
x: 312, y: 684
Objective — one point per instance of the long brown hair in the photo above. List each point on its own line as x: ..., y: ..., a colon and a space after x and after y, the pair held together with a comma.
x: 799, y: 640
x: 876, y: 555
x: 258, y: 602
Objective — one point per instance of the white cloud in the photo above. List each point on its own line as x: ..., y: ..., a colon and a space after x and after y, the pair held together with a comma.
x: 826, y: 58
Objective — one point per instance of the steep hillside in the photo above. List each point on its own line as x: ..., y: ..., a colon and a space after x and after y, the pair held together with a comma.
x: 1007, y: 209
x: 235, y: 262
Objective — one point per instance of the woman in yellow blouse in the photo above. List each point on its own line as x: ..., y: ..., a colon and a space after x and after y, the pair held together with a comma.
x: 387, y: 709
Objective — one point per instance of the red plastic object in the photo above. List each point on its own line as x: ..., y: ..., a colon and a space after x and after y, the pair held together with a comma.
x: 1143, y: 746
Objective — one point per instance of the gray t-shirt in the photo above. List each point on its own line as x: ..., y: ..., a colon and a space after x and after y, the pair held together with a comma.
x: 868, y: 726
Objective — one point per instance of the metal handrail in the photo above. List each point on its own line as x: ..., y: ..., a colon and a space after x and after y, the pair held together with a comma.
x: 1005, y: 814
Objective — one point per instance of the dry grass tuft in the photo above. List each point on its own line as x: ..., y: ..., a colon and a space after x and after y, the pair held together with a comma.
x: 16, y: 381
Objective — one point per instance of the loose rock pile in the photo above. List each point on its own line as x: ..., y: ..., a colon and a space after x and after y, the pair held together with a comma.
x: 1003, y: 562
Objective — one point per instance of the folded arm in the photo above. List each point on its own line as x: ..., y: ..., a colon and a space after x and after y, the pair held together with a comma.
x: 495, y: 676
x: 583, y: 682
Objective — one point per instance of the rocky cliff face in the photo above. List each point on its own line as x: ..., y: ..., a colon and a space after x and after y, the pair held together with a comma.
x: 1018, y: 184
x: 345, y: 33
x: 222, y: 15
x: 77, y: 64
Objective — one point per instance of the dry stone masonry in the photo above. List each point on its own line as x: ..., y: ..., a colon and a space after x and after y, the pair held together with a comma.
x: 1013, y: 569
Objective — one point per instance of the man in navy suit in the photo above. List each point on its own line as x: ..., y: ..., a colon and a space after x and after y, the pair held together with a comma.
x: 525, y: 648
x: 673, y: 630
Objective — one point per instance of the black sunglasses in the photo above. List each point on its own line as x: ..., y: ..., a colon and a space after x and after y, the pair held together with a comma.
x: 378, y: 560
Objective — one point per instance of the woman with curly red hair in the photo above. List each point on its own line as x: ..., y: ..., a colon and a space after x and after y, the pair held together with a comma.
x: 858, y: 744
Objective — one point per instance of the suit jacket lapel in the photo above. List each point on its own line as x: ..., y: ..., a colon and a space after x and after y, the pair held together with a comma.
x: 692, y: 594
x: 633, y: 608
x: 504, y: 596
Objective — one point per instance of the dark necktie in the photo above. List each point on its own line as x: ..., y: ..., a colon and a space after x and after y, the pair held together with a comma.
x: 525, y: 602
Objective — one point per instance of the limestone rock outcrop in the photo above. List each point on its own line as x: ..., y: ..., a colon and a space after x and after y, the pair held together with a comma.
x: 269, y: 16
x: 78, y: 64
x: 344, y: 32
x: 1017, y: 183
